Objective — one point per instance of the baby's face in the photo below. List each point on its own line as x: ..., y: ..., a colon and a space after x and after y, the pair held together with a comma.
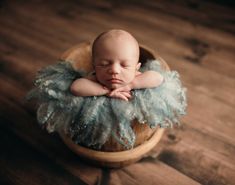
x: 116, y: 62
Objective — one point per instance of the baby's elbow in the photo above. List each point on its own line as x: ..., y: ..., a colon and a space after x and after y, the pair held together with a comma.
x: 74, y: 89
x: 159, y: 79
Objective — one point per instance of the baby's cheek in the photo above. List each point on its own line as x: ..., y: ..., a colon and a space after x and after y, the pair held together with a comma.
x: 100, y: 80
x: 130, y: 77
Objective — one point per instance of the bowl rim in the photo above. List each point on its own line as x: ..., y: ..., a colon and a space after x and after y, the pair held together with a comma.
x: 111, y: 157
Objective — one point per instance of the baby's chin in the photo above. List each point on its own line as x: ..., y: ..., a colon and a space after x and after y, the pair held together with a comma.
x: 115, y: 86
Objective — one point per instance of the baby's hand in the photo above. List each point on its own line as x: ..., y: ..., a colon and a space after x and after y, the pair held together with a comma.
x: 106, y: 90
x: 124, y: 95
x: 126, y: 88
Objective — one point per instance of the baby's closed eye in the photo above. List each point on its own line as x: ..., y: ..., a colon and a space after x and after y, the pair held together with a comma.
x: 125, y: 65
x: 104, y: 63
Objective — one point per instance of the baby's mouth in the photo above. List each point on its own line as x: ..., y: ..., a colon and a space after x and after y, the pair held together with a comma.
x: 114, y: 80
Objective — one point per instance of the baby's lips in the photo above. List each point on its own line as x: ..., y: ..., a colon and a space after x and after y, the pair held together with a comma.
x: 115, y: 80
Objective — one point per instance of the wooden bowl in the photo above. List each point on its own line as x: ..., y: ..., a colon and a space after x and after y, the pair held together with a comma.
x: 112, y: 154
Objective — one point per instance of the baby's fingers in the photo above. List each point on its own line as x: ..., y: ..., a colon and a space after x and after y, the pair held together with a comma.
x: 126, y: 94
x: 113, y: 92
x: 120, y: 96
x: 118, y: 91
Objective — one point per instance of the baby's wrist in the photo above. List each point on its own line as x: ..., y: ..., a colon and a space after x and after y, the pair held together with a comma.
x: 132, y: 85
x: 105, y: 90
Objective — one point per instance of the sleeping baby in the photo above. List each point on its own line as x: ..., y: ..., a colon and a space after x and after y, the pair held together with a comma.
x: 115, y: 58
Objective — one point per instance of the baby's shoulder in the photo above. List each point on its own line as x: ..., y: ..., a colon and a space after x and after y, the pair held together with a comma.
x: 138, y: 73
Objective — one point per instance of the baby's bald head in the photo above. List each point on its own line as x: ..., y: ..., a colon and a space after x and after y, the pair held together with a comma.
x: 115, y: 56
x: 117, y: 38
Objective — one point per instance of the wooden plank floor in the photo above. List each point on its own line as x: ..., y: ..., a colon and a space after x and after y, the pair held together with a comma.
x: 195, y: 37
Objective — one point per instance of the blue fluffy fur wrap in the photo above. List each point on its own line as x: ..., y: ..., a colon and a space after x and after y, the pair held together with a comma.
x: 91, y: 121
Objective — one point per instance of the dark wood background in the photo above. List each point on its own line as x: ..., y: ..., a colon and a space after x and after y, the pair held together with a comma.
x: 196, y: 38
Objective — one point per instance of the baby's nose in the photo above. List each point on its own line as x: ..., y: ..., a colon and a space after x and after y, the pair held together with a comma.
x: 114, y: 69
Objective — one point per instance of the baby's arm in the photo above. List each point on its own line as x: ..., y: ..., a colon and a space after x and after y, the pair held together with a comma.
x: 88, y: 87
x: 148, y: 79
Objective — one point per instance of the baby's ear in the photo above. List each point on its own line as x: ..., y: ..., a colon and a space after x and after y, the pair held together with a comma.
x: 138, y: 66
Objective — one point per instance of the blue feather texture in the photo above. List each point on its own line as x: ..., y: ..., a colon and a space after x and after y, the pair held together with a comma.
x: 91, y: 121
